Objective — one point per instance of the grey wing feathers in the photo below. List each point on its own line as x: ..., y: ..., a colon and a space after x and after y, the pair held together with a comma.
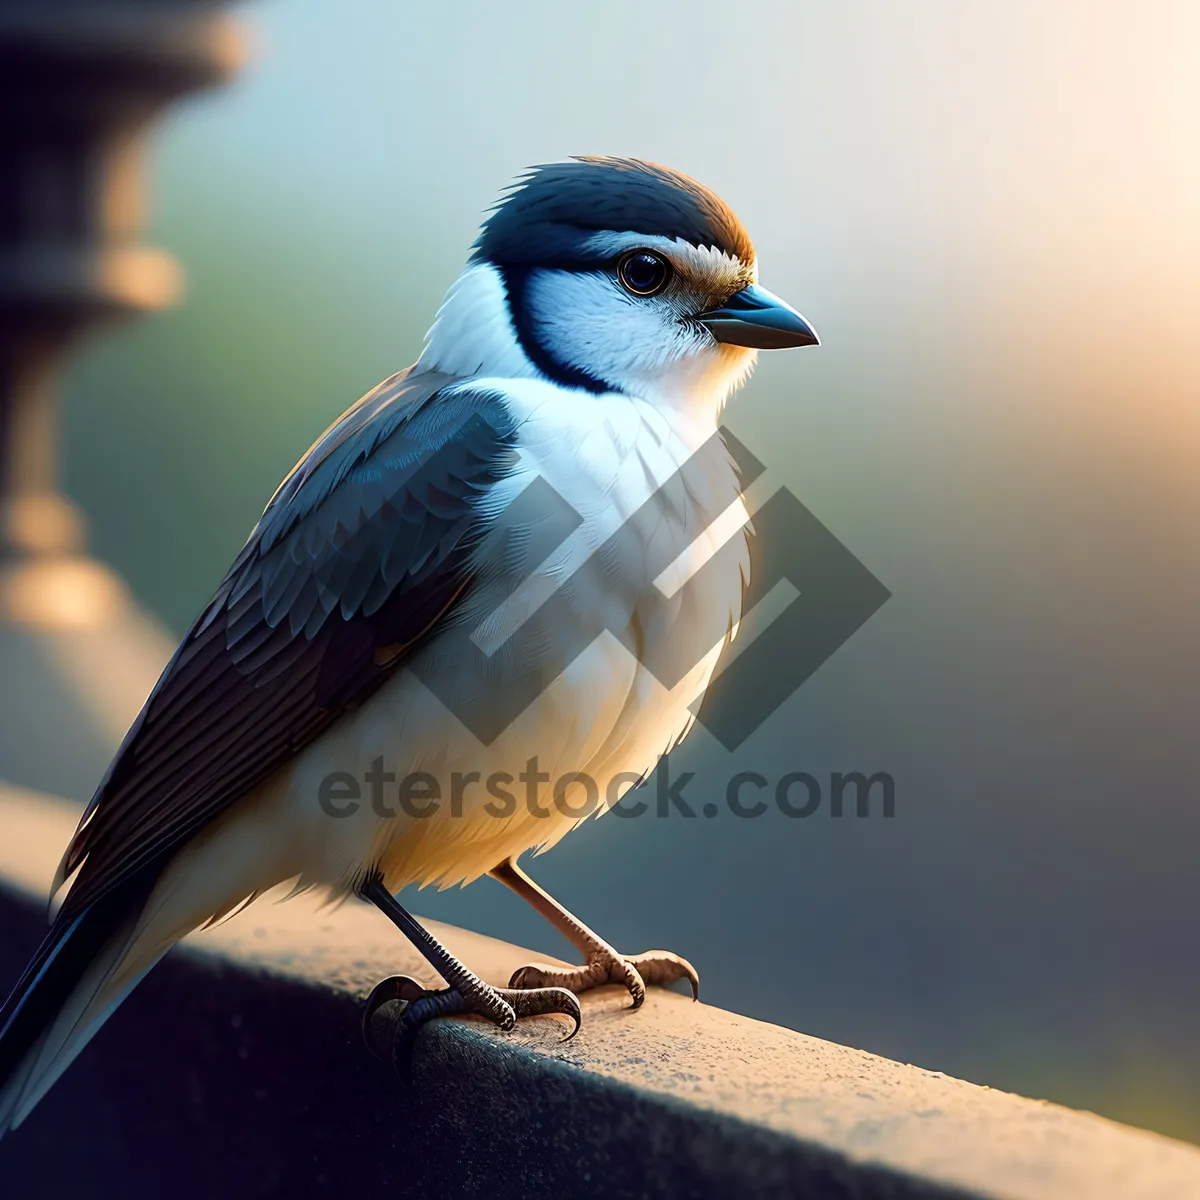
x: 364, y: 546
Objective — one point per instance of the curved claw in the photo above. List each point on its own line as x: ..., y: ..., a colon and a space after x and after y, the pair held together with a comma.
x: 444, y: 1003
x: 662, y: 968
x: 493, y: 1006
x: 548, y: 1001
x: 635, y: 986
x: 395, y: 987
x: 500, y: 1006
x: 427, y: 1006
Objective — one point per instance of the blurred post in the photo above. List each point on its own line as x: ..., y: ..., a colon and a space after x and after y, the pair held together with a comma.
x: 80, y: 82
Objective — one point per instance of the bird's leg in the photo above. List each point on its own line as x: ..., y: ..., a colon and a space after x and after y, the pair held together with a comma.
x: 602, y: 963
x: 467, y: 993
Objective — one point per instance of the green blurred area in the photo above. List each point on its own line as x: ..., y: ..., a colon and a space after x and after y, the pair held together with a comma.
x: 989, y: 216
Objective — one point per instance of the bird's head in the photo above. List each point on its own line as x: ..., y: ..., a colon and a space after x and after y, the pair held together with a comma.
x: 613, y: 274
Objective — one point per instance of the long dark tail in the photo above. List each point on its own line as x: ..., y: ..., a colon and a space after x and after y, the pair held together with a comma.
x: 65, y: 994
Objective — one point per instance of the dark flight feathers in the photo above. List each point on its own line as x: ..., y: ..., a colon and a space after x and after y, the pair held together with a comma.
x: 364, y: 547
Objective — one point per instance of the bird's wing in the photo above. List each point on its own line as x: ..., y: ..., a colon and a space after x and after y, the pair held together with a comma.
x: 364, y: 548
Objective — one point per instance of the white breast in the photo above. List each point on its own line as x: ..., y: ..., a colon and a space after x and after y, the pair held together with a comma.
x: 605, y: 715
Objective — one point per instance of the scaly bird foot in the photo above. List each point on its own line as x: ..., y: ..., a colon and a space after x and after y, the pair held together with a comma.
x: 502, y: 1006
x: 658, y: 967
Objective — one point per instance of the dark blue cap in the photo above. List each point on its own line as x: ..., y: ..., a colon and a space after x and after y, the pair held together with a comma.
x: 552, y: 211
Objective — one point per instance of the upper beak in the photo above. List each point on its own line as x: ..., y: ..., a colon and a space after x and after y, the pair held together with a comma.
x: 758, y: 318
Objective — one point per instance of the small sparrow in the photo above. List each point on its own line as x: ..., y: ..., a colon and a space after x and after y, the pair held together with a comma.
x: 551, y: 464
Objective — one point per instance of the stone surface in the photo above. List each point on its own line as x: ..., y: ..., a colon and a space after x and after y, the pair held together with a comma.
x: 237, y: 1069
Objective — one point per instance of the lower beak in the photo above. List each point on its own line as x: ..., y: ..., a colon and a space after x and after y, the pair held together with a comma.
x: 757, y: 318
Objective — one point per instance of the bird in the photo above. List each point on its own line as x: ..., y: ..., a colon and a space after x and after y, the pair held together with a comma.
x: 500, y: 564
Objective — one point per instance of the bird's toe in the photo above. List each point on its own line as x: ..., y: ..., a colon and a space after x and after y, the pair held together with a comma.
x: 661, y: 968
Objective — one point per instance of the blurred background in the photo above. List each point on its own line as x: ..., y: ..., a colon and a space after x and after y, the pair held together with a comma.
x: 991, y: 213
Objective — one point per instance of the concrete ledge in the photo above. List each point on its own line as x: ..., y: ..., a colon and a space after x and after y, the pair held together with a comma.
x: 237, y: 1069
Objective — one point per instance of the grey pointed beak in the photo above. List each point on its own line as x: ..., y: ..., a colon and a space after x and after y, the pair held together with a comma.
x: 757, y: 318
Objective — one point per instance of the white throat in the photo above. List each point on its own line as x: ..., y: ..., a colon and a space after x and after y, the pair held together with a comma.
x: 473, y: 332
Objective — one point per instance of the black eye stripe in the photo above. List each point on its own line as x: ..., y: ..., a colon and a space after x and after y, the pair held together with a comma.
x: 516, y: 284
x: 643, y: 272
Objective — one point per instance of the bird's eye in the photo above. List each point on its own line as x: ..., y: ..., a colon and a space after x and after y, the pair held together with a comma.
x: 642, y: 273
